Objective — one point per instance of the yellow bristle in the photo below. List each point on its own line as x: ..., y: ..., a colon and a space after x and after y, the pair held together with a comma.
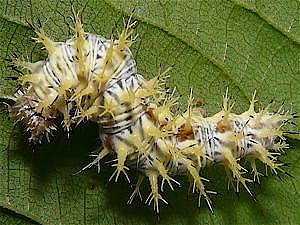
x: 154, y: 195
x: 164, y: 173
x: 136, y: 189
x: 197, y: 183
x: 47, y: 42
x: 126, y: 38
x: 230, y: 162
x: 122, y: 151
x: 79, y: 45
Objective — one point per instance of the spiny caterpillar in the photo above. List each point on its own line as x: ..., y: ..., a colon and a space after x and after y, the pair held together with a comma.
x: 89, y: 77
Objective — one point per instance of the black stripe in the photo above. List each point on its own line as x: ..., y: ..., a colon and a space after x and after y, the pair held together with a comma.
x: 48, y: 72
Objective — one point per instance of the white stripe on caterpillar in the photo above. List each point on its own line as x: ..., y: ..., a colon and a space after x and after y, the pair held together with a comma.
x: 90, y: 77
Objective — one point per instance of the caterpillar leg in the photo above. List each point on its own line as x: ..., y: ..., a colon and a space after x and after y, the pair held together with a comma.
x: 154, y: 195
x: 136, y: 189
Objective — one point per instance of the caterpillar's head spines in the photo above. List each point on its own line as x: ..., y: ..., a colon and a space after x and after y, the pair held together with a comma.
x: 37, y: 125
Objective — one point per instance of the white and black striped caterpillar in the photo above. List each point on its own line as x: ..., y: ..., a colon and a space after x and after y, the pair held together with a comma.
x: 89, y: 77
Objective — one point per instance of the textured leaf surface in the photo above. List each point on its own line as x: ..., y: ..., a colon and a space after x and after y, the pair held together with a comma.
x: 283, y: 15
x: 213, y: 45
x: 8, y: 217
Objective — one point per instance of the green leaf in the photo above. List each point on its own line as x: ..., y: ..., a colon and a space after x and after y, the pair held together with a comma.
x: 213, y: 45
x: 282, y: 14
x: 8, y: 217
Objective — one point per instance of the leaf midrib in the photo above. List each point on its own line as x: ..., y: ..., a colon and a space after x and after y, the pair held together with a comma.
x: 26, y: 213
x: 188, y: 43
x: 267, y: 20
x: 215, y: 62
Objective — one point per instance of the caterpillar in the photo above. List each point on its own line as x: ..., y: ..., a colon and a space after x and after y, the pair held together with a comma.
x: 89, y: 77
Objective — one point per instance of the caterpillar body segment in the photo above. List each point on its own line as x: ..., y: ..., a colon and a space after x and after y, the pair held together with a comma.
x: 93, y: 78
x: 183, y: 145
x: 71, y: 81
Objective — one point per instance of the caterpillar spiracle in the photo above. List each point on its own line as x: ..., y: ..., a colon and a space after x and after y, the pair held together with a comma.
x: 89, y: 77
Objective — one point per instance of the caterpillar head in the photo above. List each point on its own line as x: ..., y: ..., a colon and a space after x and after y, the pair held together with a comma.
x: 36, y: 124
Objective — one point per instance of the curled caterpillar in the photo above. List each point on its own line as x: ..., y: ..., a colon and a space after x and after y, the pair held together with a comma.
x: 89, y: 77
